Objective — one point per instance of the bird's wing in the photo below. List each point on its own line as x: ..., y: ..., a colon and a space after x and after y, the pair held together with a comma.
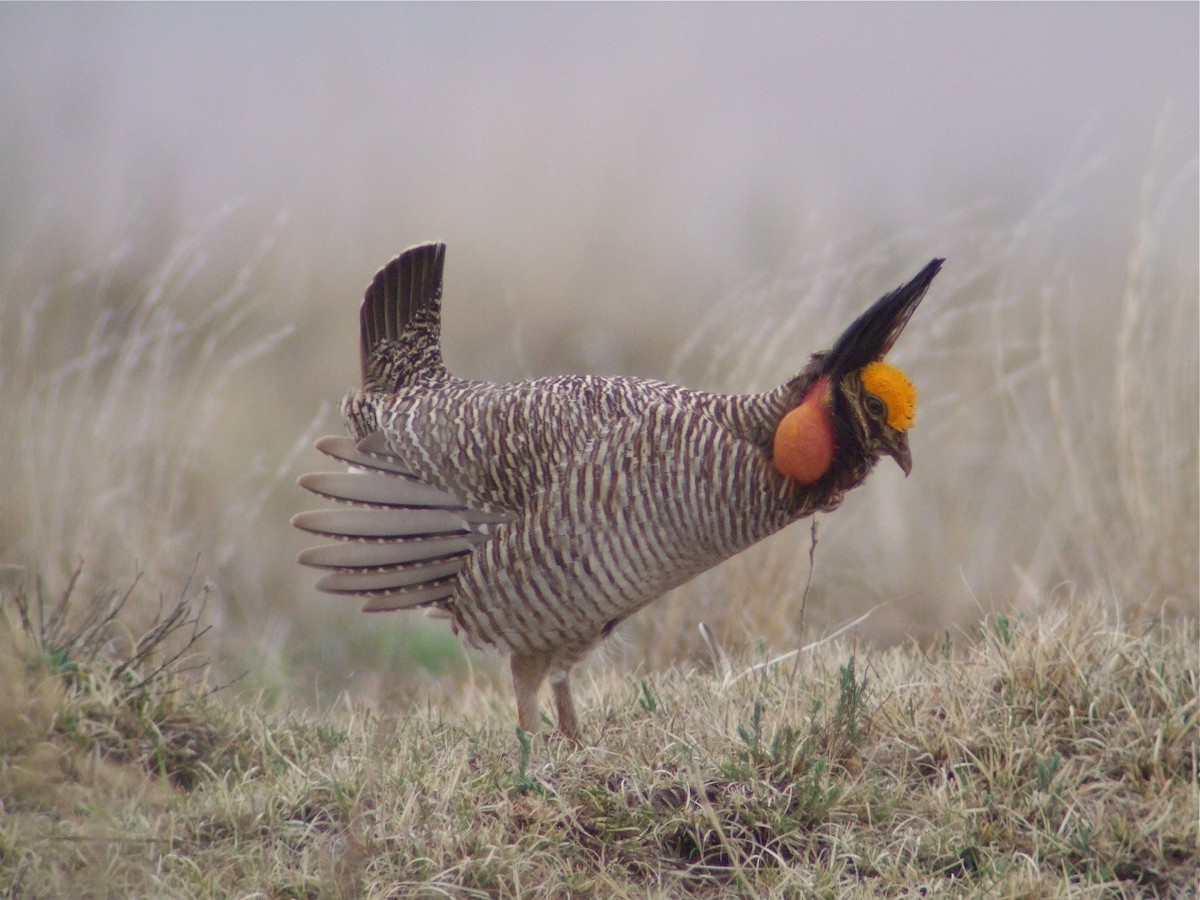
x: 652, y: 501
x: 398, y: 541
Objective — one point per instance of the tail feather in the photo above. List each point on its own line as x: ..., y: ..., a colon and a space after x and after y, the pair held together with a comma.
x: 431, y: 576
x: 381, y: 524
x: 377, y: 490
x: 372, y: 455
x: 399, y: 542
x: 385, y: 601
x: 361, y: 454
x: 400, y: 319
x: 354, y: 556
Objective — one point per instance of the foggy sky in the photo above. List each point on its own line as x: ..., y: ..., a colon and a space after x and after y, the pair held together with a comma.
x: 641, y: 148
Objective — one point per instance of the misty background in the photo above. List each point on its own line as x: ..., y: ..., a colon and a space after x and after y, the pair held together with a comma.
x: 705, y: 193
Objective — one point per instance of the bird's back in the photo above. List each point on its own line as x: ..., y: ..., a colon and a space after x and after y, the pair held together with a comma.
x: 498, y: 446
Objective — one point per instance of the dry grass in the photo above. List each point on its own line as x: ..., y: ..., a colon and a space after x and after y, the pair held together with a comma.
x: 1052, y: 757
x: 152, y: 417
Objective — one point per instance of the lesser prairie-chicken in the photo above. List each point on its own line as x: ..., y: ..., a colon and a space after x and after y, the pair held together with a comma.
x: 538, y: 515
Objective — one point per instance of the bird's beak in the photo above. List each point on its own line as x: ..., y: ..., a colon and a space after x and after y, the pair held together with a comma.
x: 901, y: 454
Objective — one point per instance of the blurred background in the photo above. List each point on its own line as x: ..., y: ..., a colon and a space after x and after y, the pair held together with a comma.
x: 192, y: 199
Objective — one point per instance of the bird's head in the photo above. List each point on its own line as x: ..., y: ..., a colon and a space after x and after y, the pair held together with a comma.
x: 854, y: 407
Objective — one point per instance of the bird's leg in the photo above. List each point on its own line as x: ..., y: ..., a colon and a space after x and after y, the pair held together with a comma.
x: 568, y: 723
x: 527, y: 674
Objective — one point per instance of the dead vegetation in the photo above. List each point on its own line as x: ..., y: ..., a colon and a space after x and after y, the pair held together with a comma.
x: 1048, y: 757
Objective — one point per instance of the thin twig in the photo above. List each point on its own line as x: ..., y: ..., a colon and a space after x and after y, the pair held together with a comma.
x: 719, y: 657
x: 832, y: 636
x: 812, y: 563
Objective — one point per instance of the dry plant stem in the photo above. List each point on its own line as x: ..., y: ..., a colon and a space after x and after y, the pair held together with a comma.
x: 80, y: 630
x: 812, y: 562
x: 720, y: 658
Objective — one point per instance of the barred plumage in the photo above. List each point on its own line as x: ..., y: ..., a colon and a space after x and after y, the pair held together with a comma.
x: 540, y: 514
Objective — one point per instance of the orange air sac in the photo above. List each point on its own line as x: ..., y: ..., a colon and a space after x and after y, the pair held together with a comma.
x: 804, y: 438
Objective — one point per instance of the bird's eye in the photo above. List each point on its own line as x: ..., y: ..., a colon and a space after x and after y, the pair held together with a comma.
x: 875, y: 406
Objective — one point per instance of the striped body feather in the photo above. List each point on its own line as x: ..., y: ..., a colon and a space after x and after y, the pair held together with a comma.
x: 540, y: 514
x: 603, y: 493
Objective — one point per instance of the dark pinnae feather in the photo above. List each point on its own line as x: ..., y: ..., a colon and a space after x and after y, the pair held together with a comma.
x: 872, y: 334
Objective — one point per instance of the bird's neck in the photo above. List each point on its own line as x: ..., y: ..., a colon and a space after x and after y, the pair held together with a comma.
x: 804, y: 442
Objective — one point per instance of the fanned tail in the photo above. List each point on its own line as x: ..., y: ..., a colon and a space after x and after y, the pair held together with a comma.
x: 400, y: 320
x: 400, y: 542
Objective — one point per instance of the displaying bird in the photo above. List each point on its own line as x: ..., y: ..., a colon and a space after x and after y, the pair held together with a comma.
x: 538, y: 515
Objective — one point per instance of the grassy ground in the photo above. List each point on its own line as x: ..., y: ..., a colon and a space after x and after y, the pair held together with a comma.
x: 1048, y: 757
x: 154, y: 415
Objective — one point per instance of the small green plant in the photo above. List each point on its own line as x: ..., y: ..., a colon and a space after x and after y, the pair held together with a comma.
x: 1002, y: 626
x: 646, y: 699
x: 946, y: 646
x: 522, y: 783
x: 1046, y: 770
x: 752, y: 736
x: 850, y: 716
